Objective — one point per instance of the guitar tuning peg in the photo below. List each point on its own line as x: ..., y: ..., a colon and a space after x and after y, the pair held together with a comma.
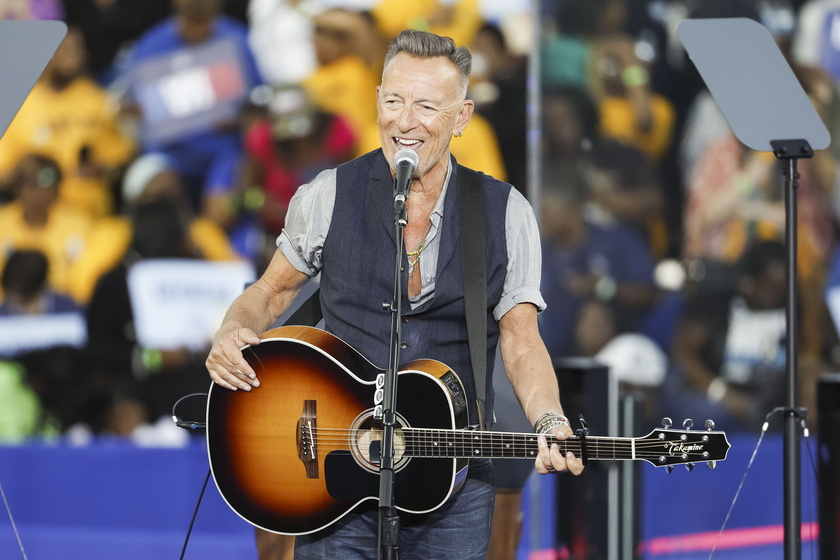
x: 712, y: 465
x: 670, y: 469
x: 689, y: 466
x: 710, y: 425
x: 667, y: 423
x: 688, y: 423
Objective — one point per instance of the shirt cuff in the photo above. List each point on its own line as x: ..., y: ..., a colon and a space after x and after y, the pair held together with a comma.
x: 514, y: 298
x: 287, y: 247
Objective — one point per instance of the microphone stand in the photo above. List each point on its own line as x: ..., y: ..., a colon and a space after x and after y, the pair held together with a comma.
x: 389, y: 522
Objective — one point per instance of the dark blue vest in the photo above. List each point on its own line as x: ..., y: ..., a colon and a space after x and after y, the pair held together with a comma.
x: 357, y: 274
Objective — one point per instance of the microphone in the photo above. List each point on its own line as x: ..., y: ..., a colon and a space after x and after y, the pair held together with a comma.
x: 405, y: 161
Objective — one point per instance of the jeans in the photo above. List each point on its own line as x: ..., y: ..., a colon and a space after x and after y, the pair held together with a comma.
x: 459, y: 529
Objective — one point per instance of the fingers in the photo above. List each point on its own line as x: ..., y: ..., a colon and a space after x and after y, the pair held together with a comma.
x: 226, y: 365
x: 232, y: 377
x: 550, y: 459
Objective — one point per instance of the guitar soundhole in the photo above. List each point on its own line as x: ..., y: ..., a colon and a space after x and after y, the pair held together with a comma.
x: 366, y: 440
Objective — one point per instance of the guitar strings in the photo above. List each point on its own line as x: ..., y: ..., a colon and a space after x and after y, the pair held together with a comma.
x: 504, y: 443
x: 450, y: 436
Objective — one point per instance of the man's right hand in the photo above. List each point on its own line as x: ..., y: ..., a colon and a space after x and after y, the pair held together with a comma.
x: 226, y: 364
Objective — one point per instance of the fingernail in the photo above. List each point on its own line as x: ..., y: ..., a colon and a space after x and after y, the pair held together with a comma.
x: 247, y: 387
x: 256, y: 383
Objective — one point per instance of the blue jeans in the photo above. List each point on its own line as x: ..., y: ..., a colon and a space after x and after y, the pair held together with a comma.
x: 458, y: 529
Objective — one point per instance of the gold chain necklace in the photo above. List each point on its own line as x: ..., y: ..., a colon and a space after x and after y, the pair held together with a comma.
x: 417, y: 250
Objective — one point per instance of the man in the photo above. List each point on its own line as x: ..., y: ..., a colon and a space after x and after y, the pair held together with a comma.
x: 338, y: 225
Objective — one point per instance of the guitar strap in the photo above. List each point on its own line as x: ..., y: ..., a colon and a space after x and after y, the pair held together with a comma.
x: 474, y: 267
x: 309, y: 313
x: 471, y: 213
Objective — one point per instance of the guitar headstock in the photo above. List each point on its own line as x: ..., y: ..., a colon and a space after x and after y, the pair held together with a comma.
x: 665, y: 447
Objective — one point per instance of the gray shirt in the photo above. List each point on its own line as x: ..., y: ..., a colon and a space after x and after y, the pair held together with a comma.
x: 308, y: 221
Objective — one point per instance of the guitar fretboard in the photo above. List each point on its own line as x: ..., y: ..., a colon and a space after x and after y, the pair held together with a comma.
x: 455, y: 443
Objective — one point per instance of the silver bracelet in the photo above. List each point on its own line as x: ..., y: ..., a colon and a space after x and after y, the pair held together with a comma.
x: 550, y: 420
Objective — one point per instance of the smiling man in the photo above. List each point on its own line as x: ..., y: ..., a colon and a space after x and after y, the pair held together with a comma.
x: 342, y: 226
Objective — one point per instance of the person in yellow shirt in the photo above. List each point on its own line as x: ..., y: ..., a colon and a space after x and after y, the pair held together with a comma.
x: 343, y: 83
x: 37, y: 219
x: 631, y: 112
x: 459, y: 19
x: 70, y: 118
x: 149, y: 178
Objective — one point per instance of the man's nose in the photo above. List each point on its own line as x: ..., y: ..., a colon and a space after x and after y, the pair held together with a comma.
x: 407, y: 118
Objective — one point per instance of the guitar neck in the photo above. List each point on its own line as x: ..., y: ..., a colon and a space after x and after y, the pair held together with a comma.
x: 500, y: 445
x: 661, y: 447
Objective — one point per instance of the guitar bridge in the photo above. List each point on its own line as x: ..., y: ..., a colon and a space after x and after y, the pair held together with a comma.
x: 306, y: 443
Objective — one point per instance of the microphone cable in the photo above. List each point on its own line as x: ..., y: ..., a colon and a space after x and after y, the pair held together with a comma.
x: 187, y: 425
x: 191, y: 425
x: 764, y: 429
x: 14, y: 525
x: 195, y: 513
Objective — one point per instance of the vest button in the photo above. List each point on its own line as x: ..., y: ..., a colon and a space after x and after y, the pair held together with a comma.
x: 403, y: 345
x: 405, y: 319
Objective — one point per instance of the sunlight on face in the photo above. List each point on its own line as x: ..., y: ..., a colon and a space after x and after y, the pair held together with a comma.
x: 420, y: 104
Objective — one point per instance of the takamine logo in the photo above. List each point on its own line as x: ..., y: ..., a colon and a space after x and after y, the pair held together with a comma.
x: 378, y: 396
x: 681, y: 448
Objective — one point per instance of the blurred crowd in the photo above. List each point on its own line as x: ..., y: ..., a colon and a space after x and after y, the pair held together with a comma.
x: 180, y: 129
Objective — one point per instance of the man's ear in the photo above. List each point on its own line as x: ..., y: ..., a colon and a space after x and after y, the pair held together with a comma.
x: 465, y: 114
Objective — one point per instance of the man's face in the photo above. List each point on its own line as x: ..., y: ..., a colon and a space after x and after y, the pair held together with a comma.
x: 420, y: 105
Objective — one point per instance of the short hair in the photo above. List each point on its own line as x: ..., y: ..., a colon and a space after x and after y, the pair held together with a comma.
x: 631, y: 166
x: 565, y: 182
x: 25, y: 273
x: 760, y: 256
x: 428, y: 45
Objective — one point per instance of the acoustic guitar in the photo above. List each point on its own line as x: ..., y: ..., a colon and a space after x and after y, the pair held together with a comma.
x: 300, y: 451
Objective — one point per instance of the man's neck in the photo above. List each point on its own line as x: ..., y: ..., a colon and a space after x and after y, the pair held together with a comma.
x: 430, y: 185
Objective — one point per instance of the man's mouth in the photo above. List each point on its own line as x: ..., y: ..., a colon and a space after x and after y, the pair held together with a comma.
x: 406, y: 143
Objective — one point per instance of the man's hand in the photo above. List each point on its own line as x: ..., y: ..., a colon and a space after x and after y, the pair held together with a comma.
x: 225, y: 363
x: 551, y: 460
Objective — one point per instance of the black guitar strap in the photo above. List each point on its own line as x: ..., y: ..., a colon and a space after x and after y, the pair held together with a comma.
x: 309, y: 312
x: 471, y: 218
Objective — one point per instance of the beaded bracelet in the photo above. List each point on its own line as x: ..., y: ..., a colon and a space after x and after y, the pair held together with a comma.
x: 550, y: 420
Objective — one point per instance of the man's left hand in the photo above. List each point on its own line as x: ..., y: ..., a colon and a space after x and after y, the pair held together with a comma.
x: 551, y: 460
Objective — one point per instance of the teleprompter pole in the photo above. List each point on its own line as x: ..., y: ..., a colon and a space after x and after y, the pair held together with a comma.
x: 790, y: 151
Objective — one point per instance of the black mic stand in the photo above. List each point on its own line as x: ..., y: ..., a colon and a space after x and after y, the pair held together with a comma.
x: 389, y: 521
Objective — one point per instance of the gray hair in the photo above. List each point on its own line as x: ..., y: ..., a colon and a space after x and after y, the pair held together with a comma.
x: 428, y: 45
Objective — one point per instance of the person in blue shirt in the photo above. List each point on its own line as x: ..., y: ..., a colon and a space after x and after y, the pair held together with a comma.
x: 583, y: 260
x: 187, y: 79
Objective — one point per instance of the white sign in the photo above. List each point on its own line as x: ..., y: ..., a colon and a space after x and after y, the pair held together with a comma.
x: 180, y: 303
x: 22, y: 333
